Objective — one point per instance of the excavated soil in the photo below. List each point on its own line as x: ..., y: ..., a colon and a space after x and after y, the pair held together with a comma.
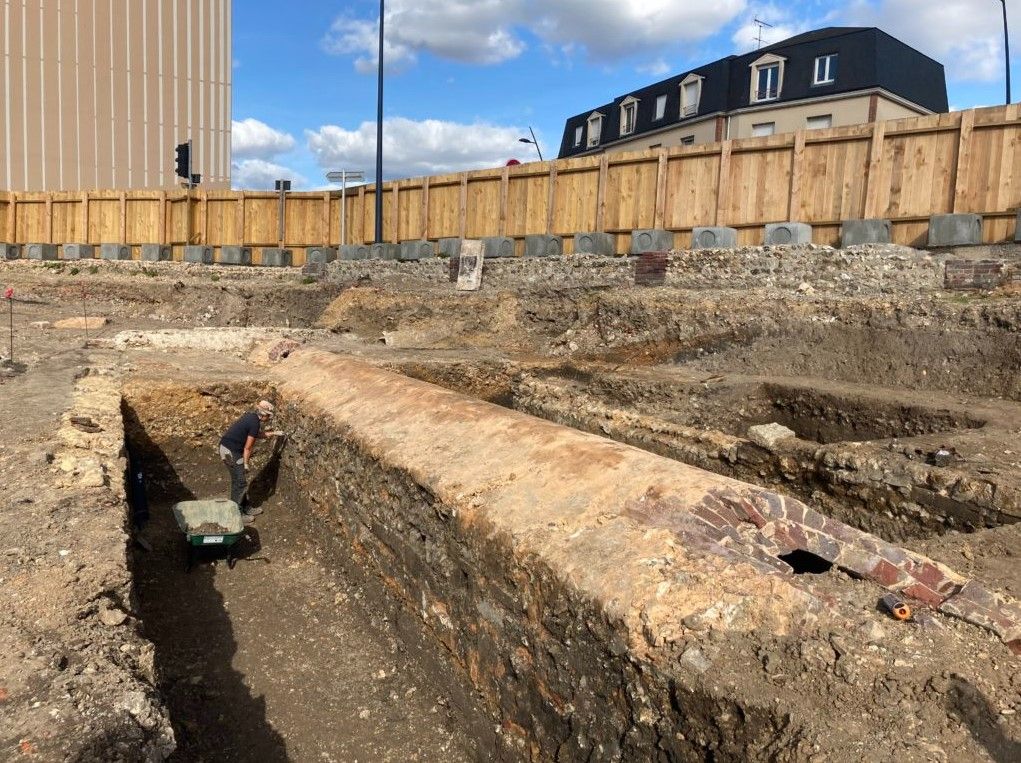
x: 290, y: 655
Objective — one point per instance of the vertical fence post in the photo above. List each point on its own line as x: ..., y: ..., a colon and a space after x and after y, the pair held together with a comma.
x: 325, y: 221
x: 501, y: 226
x: 551, y: 199
x: 963, y: 164
x: 425, y: 209
x: 395, y: 227
x: 462, y: 208
x: 723, y: 184
x: 123, y: 199
x: 49, y: 219
x: 361, y: 214
x: 161, y: 223
x: 85, y: 218
x: 604, y: 168
x: 797, y: 155
x: 659, y: 220
x: 874, y: 206
x: 239, y: 219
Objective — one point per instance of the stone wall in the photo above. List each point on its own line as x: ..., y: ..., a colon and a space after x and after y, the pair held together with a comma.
x: 860, y: 270
x: 604, y: 602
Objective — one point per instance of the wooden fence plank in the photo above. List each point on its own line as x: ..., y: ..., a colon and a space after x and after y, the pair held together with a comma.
x: 425, y: 210
x: 661, y: 178
x: 797, y: 165
x: 875, y: 201
x: 462, y: 210
x: 963, y: 167
x: 723, y: 185
x: 604, y: 166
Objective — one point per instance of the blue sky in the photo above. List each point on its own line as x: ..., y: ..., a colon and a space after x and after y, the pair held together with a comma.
x: 466, y: 78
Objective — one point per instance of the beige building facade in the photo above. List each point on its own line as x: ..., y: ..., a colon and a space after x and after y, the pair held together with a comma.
x: 97, y: 93
x: 821, y: 113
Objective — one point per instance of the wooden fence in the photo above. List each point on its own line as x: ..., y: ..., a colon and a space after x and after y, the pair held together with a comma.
x: 904, y: 170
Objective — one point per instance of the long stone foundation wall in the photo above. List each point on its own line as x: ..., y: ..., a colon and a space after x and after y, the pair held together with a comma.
x: 605, y: 602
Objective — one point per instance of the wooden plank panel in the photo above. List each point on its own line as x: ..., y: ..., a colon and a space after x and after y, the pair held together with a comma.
x: 31, y: 225
x: 758, y: 188
x: 104, y: 220
x: 444, y: 211
x: 141, y: 221
x: 833, y: 181
x: 221, y: 223
x: 575, y: 200
x: 66, y: 221
x: 482, y: 210
x: 261, y: 221
x: 528, y: 198
x: 691, y: 189
x: 631, y: 193
x: 409, y: 225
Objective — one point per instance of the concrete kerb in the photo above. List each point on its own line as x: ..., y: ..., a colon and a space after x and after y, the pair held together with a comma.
x: 595, y: 242
x: 199, y: 254
x: 858, y: 232
x: 714, y: 237
x: 78, y: 251
x: 235, y: 255
x: 651, y: 240
x: 157, y: 253
x: 41, y: 251
x: 114, y: 252
x: 275, y: 257
x: 788, y: 233
x: 955, y: 230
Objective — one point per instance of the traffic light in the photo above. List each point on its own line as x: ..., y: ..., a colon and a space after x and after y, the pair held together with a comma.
x: 183, y: 153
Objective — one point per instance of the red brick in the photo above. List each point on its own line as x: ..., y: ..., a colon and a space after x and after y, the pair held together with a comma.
x: 885, y: 574
x: 927, y: 574
x: 923, y: 594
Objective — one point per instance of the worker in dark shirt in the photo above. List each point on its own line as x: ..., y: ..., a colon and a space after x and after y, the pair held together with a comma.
x: 236, y: 451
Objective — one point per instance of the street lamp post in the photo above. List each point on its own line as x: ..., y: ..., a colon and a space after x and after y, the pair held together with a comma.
x: 379, y: 133
x: 1006, y: 47
x: 342, y: 176
x: 533, y: 141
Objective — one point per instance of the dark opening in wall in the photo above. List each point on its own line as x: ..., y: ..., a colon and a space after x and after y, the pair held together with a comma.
x: 806, y: 563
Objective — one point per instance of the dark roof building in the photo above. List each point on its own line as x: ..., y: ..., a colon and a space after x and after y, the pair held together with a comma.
x: 827, y: 78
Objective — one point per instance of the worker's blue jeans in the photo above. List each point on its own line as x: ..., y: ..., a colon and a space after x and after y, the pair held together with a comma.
x: 238, y: 481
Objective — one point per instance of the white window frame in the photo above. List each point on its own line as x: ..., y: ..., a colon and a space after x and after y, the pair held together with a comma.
x: 660, y: 107
x: 828, y: 117
x: 771, y: 125
x: 691, y: 109
x: 766, y: 62
x: 579, y: 135
x: 688, y: 140
x: 628, y: 104
x: 830, y: 76
x: 595, y: 127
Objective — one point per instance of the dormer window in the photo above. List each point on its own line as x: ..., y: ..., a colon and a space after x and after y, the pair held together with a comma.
x: 691, y: 94
x: 595, y: 126
x: 767, y: 78
x: 628, y: 112
x: 825, y: 70
x: 578, y: 134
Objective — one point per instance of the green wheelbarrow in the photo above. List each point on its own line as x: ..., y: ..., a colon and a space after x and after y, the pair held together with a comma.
x: 212, y: 523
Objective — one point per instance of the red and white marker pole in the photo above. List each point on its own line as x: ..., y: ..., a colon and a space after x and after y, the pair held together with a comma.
x: 9, y: 296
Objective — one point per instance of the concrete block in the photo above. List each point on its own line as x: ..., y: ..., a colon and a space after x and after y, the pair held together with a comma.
x: 498, y: 246
x: 320, y: 254
x: 416, y: 250
x: 41, y: 251
x: 10, y: 251
x: 449, y: 247
x: 543, y: 246
x: 1017, y: 227
x: 354, y: 252
x: 955, y: 230
x: 275, y: 257
x: 200, y: 254
x: 855, y: 232
x: 385, y: 252
x: 469, y: 265
x: 157, y: 253
x: 78, y: 251
x: 114, y: 252
x: 780, y: 234
x: 714, y: 238
x: 651, y: 240
x: 235, y: 255
x: 593, y: 242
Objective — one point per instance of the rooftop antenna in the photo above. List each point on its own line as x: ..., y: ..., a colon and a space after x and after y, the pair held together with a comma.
x: 761, y: 24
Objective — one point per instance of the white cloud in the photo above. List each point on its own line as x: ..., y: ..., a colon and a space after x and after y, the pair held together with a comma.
x: 413, y: 148
x: 784, y: 23
x: 491, y: 31
x: 258, y: 174
x: 251, y: 138
x: 965, y: 35
x: 656, y: 68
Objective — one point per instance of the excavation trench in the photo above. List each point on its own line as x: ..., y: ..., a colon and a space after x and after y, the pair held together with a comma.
x: 437, y: 578
x: 293, y: 654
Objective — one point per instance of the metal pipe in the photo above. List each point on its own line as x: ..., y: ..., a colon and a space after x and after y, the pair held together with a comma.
x: 1006, y: 48
x: 379, y: 133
